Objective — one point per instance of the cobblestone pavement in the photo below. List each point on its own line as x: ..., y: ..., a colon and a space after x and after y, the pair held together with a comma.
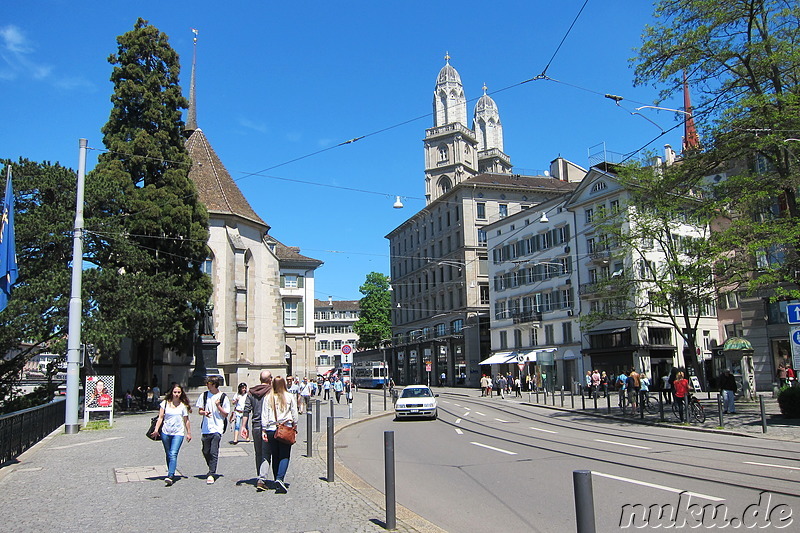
x: 112, y: 480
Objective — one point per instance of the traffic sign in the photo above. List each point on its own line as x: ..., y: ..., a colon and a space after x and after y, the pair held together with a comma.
x: 427, y: 367
x: 521, y: 366
x: 793, y: 313
x: 347, y: 349
x: 794, y: 335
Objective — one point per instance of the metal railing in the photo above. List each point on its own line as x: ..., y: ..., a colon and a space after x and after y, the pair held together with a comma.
x: 23, y: 429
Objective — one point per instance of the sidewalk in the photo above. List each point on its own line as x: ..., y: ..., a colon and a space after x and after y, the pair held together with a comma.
x: 746, y: 421
x: 112, y: 479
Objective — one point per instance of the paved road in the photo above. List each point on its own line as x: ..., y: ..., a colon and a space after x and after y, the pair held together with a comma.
x: 486, y: 461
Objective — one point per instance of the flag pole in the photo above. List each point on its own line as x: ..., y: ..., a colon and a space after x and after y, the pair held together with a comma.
x: 75, y: 303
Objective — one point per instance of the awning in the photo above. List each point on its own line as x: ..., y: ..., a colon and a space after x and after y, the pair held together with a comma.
x: 606, y: 331
x: 499, y: 358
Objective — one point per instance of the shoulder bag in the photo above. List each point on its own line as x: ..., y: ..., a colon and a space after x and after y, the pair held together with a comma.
x: 285, y: 434
x: 153, y: 422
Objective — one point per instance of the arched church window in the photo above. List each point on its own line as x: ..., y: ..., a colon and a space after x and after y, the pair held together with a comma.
x: 445, y: 184
x: 443, y: 153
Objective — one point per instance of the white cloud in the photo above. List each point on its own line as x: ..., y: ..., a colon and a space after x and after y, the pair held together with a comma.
x: 253, y: 125
x: 17, y: 59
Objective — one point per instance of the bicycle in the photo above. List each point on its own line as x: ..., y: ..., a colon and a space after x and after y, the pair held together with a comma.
x: 694, y: 410
x: 650, y: 403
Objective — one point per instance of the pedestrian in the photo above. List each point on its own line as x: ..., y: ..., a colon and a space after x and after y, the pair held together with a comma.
x: 484, y: 385
x: 501, y: 386
x: 781, y: 375
x: 595, y: 382
x: 238, y: 409
x: 791, y: 378
x: 156, y: 395
x: 173, y: 426
x: 621, y: 385
x: 252, y: 408
x: 305, y: 396
x: 633, y: 385
x: 728, y: 385
x: 214, y: 407
x: 680, y: 389
x: 280, y: 407
x: 338, y: 388
x: 666, y: 386
x: 518, y: 387
x: 442, y: 379
x: 588, y: 383
x: 604, y: 383
x: 644, y: 383
x: 128, y: 400
x: 326, y: 387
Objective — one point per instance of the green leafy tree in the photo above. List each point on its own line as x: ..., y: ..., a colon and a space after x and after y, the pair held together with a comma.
x: 149, y: 237
x: 374, y: 323
x: 36, y: 317
x: 743, y: 62
x: 665, y: 232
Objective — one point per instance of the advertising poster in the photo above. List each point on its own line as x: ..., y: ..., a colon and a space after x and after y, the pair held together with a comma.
x: 99, y: 393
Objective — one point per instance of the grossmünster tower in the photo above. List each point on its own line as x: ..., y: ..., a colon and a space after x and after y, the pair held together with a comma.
x: 454, y: 152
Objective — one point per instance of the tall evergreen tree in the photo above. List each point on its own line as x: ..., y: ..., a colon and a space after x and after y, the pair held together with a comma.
x: 374, y: 323
x: 151, y: 241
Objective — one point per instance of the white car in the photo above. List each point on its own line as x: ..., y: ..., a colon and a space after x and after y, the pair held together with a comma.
x: 416, y: 401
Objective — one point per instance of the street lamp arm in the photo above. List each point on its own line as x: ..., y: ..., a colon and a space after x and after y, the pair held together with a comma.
x: 664, y: 109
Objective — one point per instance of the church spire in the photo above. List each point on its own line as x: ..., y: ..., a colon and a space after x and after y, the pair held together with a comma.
x: 691, y: 140
x: 191, y: 117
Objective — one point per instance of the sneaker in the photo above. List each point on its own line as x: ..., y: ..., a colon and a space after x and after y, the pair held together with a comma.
x: 261, y: 486
x: 210, y: 480
x: 280, y: 487
x: 168, y: 481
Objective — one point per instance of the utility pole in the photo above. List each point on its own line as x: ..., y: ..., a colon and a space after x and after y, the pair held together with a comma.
x: 75, y: 303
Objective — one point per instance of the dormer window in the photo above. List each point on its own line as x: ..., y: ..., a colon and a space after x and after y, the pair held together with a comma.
x: 599, y: 186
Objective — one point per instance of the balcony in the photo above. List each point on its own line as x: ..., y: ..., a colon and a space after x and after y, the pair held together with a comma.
x: 527, y: 316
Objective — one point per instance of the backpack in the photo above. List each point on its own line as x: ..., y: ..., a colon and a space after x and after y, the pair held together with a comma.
x: 222, y: 399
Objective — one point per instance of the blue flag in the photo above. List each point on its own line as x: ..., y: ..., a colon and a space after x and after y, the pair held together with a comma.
x: 8, y: 248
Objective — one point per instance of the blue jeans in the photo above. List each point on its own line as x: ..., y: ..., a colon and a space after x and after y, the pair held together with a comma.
x: 279, y: 454
x: 172, y: 443
x: 728, y: 401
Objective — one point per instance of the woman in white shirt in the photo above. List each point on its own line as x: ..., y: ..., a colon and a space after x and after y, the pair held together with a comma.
x: 238, y: 411
x: 278, y: 407
x: 173, y: 424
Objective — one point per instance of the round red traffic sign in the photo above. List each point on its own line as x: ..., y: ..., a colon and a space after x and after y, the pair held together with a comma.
x: 346, y: 349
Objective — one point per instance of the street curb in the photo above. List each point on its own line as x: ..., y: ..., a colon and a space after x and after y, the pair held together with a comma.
x: 405, y: 516
x: 661, y: 424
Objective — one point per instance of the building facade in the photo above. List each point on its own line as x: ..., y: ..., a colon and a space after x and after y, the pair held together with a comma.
x: 333, y: 323
x: 439, y: 261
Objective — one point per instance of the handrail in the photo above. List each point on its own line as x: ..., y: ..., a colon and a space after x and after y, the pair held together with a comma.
x: 22, y: 429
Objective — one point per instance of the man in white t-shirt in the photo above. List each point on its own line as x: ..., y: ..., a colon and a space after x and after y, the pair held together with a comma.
x: 305, y: 395
x: 214, y: 407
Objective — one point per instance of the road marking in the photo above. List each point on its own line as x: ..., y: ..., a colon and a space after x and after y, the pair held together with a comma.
x: 774, y: 466
x: 493, y: 448
x: 84, y: 443
x: 459, y: 431
x: 623, y: 444
x: 501, y: 420
x: 544, y: 430
x: 458, y: 420
x: 479, y: 413
x: 456, y: 404
x: 660, y: 487
x: 445, y: 401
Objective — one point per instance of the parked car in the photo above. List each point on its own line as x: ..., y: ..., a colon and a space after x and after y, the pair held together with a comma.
x: 416, y: 401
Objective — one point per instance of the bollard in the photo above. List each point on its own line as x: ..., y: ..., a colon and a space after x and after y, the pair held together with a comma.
x: 642, y: 398
x: 763, y: 414
x: 584, y: 501
x: 562, y: 396
x: 719, y: 408
x: 331, y: 407
x: 583, y: 400
x: 389, y: 480
x: 350, y: 410
x: 594, y: 397
x: 317, y: 410
x: 369, y: 403
x: 384, y: 396
x: 529, y: 396
x: 329, y: 479
x: 661, y: 405
x: 572, y: 399
x: 608, y: 402
x: 308, y: 434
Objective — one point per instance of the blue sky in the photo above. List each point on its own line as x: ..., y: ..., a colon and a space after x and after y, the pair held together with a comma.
x: 278, y: 81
